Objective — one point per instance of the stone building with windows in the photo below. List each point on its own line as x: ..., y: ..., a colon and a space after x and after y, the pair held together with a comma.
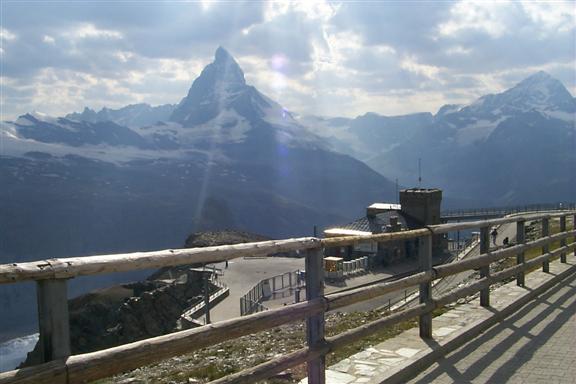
x: 418, y: 208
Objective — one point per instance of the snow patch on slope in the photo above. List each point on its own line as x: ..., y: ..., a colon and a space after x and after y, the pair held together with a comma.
x: 561, y: 115
x: 477, y: 131
x: 226, y: 128
x: 15, y: 146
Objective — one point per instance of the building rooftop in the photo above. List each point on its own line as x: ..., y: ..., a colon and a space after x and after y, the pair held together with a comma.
x: 385, y: 206
x: 368, y: 225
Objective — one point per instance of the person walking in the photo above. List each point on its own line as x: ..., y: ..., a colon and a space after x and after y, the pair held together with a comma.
x: 494, y: 234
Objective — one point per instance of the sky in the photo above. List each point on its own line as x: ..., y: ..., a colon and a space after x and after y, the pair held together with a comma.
x: 327, y: 58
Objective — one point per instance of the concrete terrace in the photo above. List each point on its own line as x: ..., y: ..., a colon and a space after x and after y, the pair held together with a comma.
x: 533, y: 345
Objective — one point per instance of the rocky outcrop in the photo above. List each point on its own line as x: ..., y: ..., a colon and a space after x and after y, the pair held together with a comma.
x: 130, y: 312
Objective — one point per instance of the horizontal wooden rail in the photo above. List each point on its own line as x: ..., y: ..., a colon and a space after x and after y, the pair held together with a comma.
x: 343, y: 299
x: 487, y: 258
x: 498, y: 276
x: 92, y: 265
x: 107, y: 362
x: 452, y: 227
x: 272, y: 367
x: 345, y: 338
x: 381, y: 237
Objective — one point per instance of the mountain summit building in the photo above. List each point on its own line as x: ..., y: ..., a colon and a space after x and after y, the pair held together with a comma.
x: 418, y: 208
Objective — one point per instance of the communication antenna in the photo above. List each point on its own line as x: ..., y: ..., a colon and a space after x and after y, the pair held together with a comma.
x: 419, y: 173
x: 397, y: 192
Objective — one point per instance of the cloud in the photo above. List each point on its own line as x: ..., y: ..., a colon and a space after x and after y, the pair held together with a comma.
x: 322, y: 57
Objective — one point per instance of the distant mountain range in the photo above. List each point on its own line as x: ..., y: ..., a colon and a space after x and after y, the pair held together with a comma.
x: 134, y: 115
x: 228, y: 157
x: 515, y: 147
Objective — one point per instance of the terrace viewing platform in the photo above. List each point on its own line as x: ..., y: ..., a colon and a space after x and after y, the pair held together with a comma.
x: 514, y: 322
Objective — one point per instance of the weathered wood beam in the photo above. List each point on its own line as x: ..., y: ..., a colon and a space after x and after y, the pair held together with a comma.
x: 92, y: 265
x: 545, y: 247
x: 498, y: 276
x: 425, y: 293
x: 343, y: 299
x: 53, y: 372
x: 316, y: 368
x: 345, y: 338
x: 481, y: 260
x: 485, y: 269
x: 563, y: 241
x: 381, y: 237
x: 520, y: 239
x: 53, y: 319
x: 274, y: 366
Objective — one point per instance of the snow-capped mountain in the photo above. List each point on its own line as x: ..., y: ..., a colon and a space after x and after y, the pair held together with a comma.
x: 134, y: 115
x: 538, y: 93
x: 73, y: 133
x: 472, y: 150
x: 513, y: 147
x: 221, y: 108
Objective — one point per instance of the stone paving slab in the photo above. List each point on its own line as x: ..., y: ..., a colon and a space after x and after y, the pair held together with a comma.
x: 398, y: 359
x: 537, y: 343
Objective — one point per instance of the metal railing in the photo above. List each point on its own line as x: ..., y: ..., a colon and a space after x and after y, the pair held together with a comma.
x: 52, y: 275
x: 355, y: 266
x: 502, y: 211
x: 200, y: 308
x: 267, y: 289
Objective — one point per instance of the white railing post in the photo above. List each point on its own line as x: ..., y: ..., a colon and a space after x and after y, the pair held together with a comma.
x: 53, y: 319
x: 520, y: 239
x: 545, y: 248
x: 485, y: 271
x: 425, y: 260
x: 563, y: 241
x: 315, y: 324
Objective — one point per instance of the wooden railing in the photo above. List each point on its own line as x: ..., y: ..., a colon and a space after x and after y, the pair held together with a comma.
x: 51, y: 277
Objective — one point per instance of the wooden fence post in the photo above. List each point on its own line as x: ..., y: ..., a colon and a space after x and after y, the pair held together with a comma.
x: 520, y: 239
x: 53, y: 319
x: 545, y: 248
x: 425, y: 260
x: 563, y: 241
x: 206, y: 298
x: 315, y: 324
x: 485, y: 271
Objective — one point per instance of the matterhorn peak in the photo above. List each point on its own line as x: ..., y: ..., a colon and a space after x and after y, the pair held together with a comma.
x: 218, y: 85
x: 224, y: 68
x: 222, y: 55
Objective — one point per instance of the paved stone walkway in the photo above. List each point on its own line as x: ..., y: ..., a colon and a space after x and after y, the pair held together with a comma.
x: 535, y: 345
